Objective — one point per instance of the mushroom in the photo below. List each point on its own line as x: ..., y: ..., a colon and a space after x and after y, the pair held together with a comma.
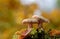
x: 30, y: 23
x: 40, y: 20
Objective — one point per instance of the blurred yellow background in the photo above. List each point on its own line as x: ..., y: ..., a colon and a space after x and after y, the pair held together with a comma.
x: 12, y: 12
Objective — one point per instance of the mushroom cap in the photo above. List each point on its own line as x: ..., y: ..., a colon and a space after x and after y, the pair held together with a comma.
x: 40, y: 17
x: 27, y: 21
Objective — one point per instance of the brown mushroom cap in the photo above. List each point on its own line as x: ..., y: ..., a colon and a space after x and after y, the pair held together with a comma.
x: 40, y: 17
x: 27, y: 21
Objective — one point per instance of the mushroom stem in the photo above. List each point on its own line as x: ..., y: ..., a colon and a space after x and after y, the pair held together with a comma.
x: 40, y: 22
x: 39, y: 25
x: 30, y: 25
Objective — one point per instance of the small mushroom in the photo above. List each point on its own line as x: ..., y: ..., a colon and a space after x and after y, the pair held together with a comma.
x: 40, y: 20
x: 30, y: 23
